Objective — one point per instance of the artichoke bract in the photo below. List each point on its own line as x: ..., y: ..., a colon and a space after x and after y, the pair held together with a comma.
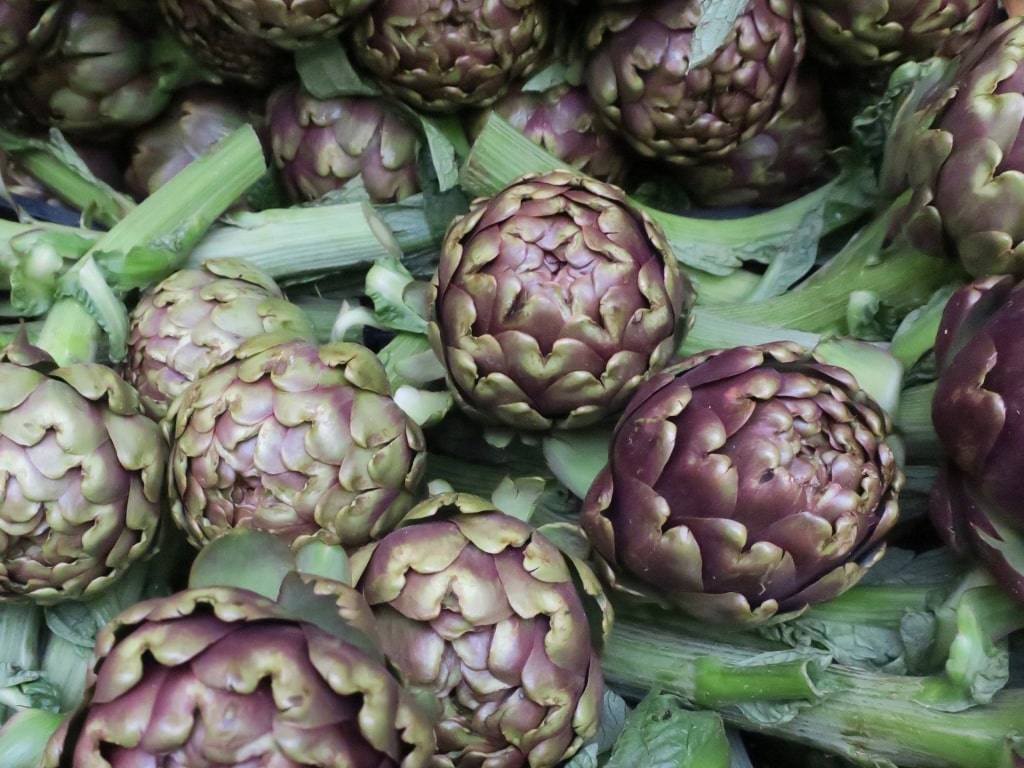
x: 195, y: 319
x: 220, y: 676
x: 638, y: 71
x: 553, y: 300
x: 744, y: 484
x: 294, y: 438
x: 440, y: 56
x: 82, y: 484
x: 480, y: 612
x: 873, y: 32
x: 320, y: 145
x: 965, y: 167
x: 977, y: 412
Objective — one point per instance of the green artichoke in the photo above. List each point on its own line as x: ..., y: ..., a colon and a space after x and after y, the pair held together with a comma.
x: 100, y: 74
x: 976, y: 410
x: 958, y: 149
x: 197, y: 119
x: 440, y: 56
x: 222, y: 676
x: 775, y: 166
x: 638, y: 71
x: 194, y: 320
x: 296, y: 439
x: 235, y: 55
x: 26, y: 27
x: 83, y: 477
x: 563, y: 120
x: 553, y: 300
x: 876, y: 32
x: 479, y: 611
x: 320, y: 145
x: 744, y: 484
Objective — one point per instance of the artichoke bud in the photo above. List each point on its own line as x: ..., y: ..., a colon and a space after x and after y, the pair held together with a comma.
x: 296, y: 438
x: 442, y: 56
x: 641, y: 71
x: 222, y: 675
x: 82, y: 486
x: 744, y: 485
x: 195, y: 319
x: 552, y: 301
x: 481, y: 611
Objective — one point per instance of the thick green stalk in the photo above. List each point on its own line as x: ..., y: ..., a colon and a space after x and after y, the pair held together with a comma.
x: 302, y: 243
x: 870, y: 718
x: 914, y: 424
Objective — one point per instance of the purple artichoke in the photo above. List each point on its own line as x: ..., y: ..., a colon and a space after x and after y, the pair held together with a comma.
x: 26, y: 27
x: 479, y: 612
x: 320, y: 145
x: 553, y: 300
x: 977, y: 410
x: 564, y: 120
x: 876, y: 32
x: 222, y: 676
x: 744, y: 484
x: 293, y: 438
x: 440, y: 56
x: 638, y: 72
x: 194, y: 320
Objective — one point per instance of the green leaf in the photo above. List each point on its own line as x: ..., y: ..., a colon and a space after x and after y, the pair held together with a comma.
x: 661, y: 733
x: 446, y: 142
x: 576, y: 456
x: 518, y: 497
x: 717, y: 19
x: 228, y: 561
x: 326, y: 72
x: 395, y: 296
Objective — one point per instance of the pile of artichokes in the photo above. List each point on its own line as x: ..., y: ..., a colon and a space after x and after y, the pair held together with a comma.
x: 507, y: 384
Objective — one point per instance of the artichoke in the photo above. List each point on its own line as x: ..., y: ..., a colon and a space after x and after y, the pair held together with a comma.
x: 233, y: 54
x: 101, y: 74
x: 958, y: 149
x: 285, y: 24
x: 876, y: 32
x: 778, y: 164
x: 222, y: 676
x: 563, y: 120
x: 976, y: 410
x: 639, y: 73
x: 440, y: 56
x: 195, y: 319
x: 83, y: 477
x: 296, y: 439
x: 552, y: 301
x: 744, y: 484
x: 320, y: 145
x: 479, y: 611
x: 26, y: 27
x: 197, y: 119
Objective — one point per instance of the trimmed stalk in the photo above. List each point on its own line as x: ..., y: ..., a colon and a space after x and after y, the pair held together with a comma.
x: 914, y: 424
x: 863, y: 716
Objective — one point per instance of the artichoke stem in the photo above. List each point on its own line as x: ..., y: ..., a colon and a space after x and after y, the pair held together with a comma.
x: 914, y: 424
x: 867, y: 717
x: 718, y: 684
x: 291, y: 244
